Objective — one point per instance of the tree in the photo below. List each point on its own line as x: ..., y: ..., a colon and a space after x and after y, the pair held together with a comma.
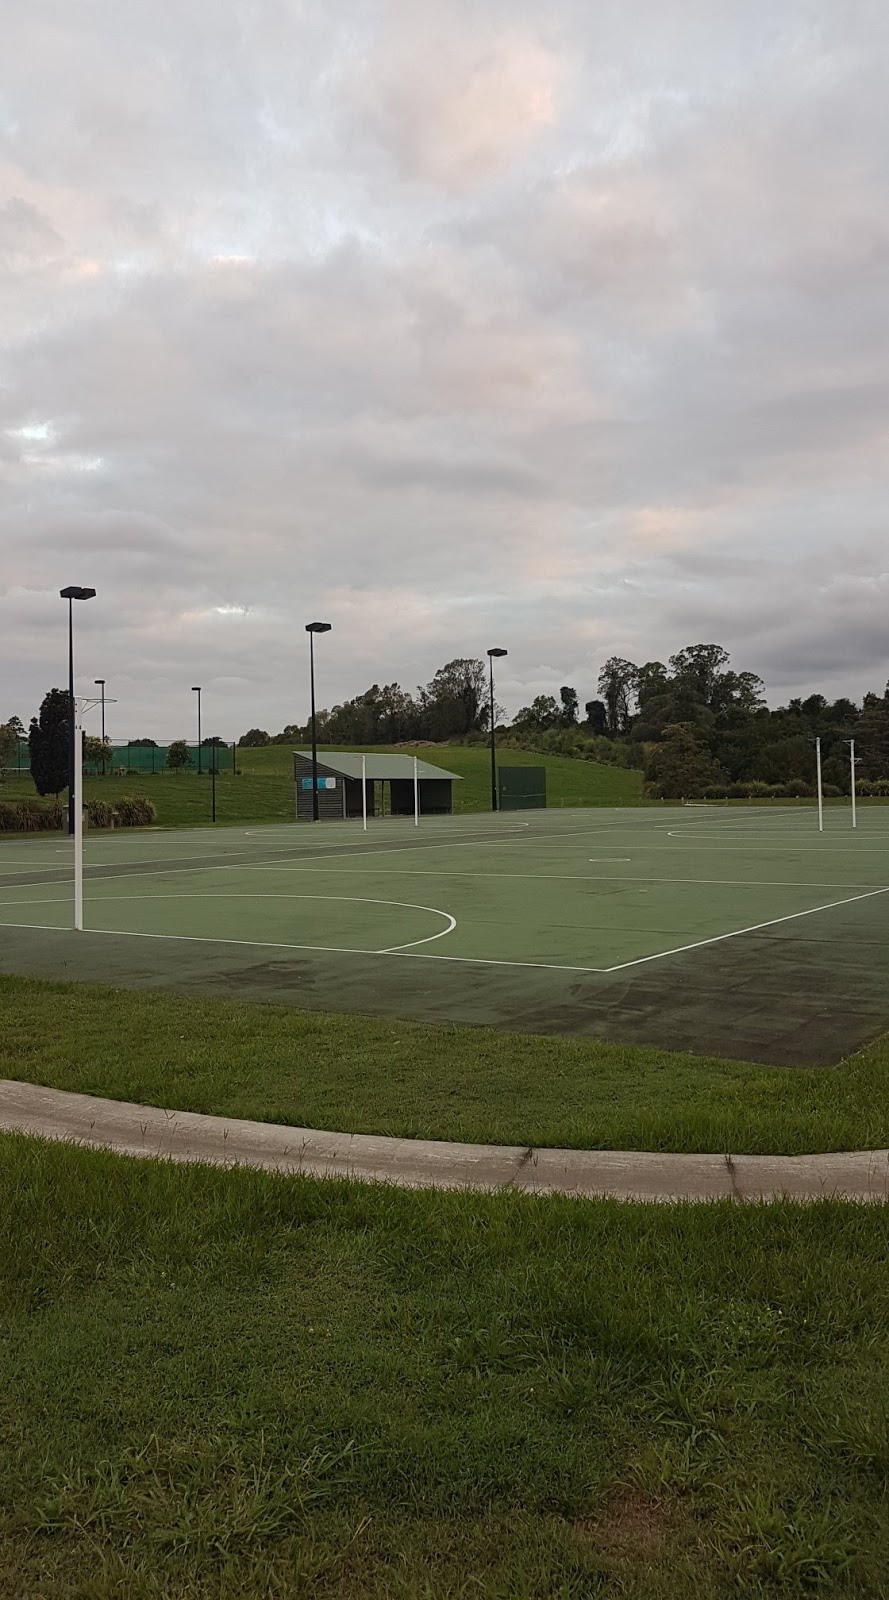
x: 17, y: 728
x: 681, y: 767
x: 48, y: 743
x: 617, y: 686
x: 700, y: 665
x: 872, y: 737
x: 254, y: 738
x: 541, y: 714
x: 454, y: 702
x: 651, y: 680
x: 570, y: 703
x: 8, y: 747
x: 97, y: 752
x: 143, y: 744
x: 596, y: 718
x: 178, y: 756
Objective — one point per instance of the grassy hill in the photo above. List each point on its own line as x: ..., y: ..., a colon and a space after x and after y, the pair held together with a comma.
x: 263, y: 789
x: 569, y: 783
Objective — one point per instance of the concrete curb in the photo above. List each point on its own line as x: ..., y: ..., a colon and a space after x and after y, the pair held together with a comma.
x: 427, y: 1163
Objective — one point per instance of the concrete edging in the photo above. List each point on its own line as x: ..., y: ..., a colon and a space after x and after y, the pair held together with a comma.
x: 190, y: 1136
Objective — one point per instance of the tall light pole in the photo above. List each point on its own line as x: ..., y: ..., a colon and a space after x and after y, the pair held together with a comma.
x: 491, y: 655
x: 72, y: 593
x: 196, y: 689
x: 100, y: 685
x: 311, y: 629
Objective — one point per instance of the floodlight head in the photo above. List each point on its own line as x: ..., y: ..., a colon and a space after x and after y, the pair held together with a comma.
x: 75, y: 592
x: 98, y: 681
x: 195, y: 688
x: 318, y: 627
x: 497, y: 652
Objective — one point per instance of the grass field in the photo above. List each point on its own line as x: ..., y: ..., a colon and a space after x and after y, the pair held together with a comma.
x: 368, y: 1076
x: 264, y: 790
x: 224, y: 1383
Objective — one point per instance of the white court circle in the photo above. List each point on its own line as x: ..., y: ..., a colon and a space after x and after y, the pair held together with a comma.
x: 347, y: 899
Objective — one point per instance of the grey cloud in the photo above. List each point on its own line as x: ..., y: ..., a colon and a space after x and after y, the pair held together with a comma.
x: 566, y: 327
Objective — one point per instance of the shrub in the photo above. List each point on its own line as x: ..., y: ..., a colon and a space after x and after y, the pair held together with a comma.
x: 99, y: 813
x: 31, y: 816
x: 135, y: 811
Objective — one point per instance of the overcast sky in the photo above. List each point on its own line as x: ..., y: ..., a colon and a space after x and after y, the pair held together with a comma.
x: 560, y: 327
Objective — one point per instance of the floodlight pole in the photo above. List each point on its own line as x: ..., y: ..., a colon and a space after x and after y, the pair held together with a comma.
x: 491, y: 654
x: 73, y: 592
x: 852, y: 771
x: 416, y: 793
x: 196, y: 689
x: 820, y: 796
x: 78, y: 818
x: 364, y: 791
x: 311, y: 629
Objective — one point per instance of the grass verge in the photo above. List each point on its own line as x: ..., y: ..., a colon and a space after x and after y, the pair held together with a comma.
x: 228, y: 1383
x: 413, y: 1080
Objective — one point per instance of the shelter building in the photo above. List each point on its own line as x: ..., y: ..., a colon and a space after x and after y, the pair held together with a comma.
x: 339, y: 785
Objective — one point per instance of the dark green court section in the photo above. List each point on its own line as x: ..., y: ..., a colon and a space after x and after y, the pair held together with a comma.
x: 739, y: 933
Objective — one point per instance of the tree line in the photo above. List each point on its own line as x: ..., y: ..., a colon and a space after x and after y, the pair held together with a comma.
x: 693, y: 724
x: 698, y: 728
x: 455, y: 704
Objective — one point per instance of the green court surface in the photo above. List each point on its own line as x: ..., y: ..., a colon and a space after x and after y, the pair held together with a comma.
x: 738, y: 930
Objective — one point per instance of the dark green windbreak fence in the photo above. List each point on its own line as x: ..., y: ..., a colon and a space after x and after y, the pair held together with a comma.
x: 521, y: 788
x: 143, y: 758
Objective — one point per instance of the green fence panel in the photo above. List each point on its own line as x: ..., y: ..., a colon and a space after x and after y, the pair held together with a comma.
x: 521, y: 788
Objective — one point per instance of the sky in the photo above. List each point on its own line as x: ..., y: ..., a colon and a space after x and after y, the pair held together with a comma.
x: 560, y: 328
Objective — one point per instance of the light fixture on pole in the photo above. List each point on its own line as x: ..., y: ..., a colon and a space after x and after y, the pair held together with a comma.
x: 100, y: 685
x: 491, y: 655
x: 196, y: 689
x: 311, y: 629
x: 72, y: 593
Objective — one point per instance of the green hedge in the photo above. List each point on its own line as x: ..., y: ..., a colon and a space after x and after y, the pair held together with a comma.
x: 48, y: 816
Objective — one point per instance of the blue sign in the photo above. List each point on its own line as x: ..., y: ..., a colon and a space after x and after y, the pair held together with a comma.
x: 323, y: 783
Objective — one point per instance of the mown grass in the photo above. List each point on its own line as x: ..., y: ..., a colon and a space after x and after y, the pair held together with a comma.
x: 262, y: 790
x: 569, y: 782
x: 183, y: 799
x: 366, y: 1075
x: 218, y: 1384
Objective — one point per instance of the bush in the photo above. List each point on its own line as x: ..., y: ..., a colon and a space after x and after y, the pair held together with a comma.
x: 134, y: 811
x: 31, y: 816
x: 873, y: 788
x: 99, y: 813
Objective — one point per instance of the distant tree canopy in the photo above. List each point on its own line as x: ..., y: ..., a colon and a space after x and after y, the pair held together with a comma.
x: 691, y: 724
x: 48, y: 743
x: 254, y: 738
x: 178, y: 756
x: 8, y: 747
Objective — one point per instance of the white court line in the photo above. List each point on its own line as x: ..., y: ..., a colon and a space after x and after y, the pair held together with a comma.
x: 555, y: 877
x: 755, y: 928
x: 475, y: 961
x: 346, y: 899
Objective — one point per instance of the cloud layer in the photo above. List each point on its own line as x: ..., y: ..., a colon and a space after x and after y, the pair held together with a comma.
x: 566, y: 331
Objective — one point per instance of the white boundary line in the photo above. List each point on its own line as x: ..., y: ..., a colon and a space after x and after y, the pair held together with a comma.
x: 347, y: 899
x: 475, y: 961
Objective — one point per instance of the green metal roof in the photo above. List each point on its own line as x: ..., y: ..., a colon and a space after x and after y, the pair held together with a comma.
x: 380, y: 767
